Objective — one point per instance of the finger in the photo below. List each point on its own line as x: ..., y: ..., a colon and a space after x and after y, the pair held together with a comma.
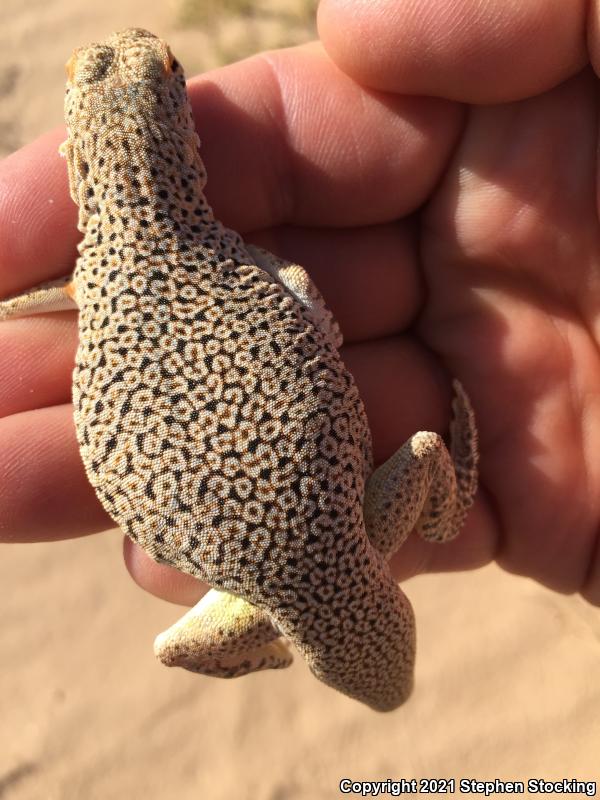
x: 36, y: 362
x: 404, y: 389
x: 485, y: 52
x: 368, y: 276
x: 160, y: 580
x: 37, y: 217
x: 287, y: 137
x: 44, y: 492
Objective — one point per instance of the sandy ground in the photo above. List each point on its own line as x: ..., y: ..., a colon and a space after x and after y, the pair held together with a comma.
x: 507, y: 676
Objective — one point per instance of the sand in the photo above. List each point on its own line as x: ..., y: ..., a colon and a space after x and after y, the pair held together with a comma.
x: 508, y: 672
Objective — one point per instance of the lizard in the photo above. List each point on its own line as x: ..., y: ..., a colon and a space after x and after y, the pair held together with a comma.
x: 216, y: 420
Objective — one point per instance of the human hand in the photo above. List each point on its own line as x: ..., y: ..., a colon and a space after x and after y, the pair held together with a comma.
x: 509, y: 251
x: 440, y: 236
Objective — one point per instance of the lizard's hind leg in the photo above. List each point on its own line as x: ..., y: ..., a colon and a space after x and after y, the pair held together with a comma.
x: 223, y: 636
x: 423, y: 485
x: 48, y: 297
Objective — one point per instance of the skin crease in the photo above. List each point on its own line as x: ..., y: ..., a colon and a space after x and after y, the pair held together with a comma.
x: 447, y: 239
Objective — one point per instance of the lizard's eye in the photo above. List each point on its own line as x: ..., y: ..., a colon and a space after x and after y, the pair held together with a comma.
x: 90, y: 65
x: 170, y: 62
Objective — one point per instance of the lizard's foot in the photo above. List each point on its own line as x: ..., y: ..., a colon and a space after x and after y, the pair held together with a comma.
x: 424, y: 486
x: 223, y: 636
x: 48, y: 297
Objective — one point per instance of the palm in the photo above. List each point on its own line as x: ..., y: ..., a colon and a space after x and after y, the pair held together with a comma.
x: 510, y: 251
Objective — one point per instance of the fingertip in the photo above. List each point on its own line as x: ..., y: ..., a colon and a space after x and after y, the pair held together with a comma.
x: 487, y: 52
x: 160, y: 580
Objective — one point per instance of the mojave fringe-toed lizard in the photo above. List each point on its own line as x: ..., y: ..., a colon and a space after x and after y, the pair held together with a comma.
x: 216, y: 420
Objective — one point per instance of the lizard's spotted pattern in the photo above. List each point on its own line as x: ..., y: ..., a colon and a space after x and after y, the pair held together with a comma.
x: 217, y: 423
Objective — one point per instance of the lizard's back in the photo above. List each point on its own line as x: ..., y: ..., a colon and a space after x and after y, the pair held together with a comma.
x: 217, y: 422
x: 218, y: 425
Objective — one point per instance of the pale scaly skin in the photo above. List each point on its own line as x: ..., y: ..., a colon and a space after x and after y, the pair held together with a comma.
x: 217, y: 423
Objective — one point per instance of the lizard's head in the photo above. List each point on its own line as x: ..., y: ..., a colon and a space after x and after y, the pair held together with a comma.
x: 131, y: 73
x: 125, y: 102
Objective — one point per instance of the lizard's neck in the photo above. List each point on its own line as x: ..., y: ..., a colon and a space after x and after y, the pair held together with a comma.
x: 138, y: 182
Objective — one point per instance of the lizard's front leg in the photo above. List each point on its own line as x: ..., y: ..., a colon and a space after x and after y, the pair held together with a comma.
x: 57, y: 295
